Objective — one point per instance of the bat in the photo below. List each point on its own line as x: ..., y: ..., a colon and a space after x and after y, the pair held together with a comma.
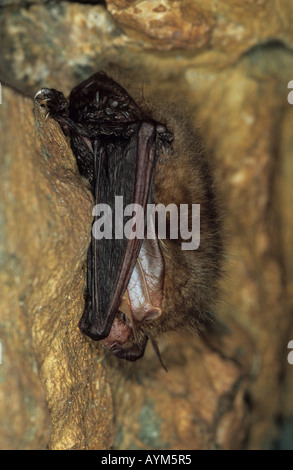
x: 139, y: 288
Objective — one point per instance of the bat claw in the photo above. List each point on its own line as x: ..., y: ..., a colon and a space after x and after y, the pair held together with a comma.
x: 39, y: 92
x: 52, y: 99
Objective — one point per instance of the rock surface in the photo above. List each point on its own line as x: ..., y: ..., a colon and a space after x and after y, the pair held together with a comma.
x: 46, y: 219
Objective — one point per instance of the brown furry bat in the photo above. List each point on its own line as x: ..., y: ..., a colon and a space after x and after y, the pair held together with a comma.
x: 141, y: 287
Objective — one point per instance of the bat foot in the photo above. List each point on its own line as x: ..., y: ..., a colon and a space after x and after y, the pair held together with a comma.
x: 53, y: 100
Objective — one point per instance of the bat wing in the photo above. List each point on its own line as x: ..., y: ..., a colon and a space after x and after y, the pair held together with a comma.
x: 124, y: 144
x: 115, y: 145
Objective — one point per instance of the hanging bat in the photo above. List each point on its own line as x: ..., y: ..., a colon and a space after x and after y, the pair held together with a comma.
x: 138, y: 288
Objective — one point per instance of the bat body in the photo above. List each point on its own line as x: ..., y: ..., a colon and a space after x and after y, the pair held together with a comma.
x: 138, y: 288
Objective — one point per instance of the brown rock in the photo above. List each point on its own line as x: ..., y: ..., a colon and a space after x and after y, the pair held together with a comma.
x: 165, y: 25
x: 242, y: 114
x: 187, y: 407
x: 226, y: 26
x: 46, y: 218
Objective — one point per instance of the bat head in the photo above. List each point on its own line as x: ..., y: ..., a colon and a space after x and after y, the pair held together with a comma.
x: 141, y: 306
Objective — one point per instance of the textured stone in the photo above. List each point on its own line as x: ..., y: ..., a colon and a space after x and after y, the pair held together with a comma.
x: 61, y: 43
x: 46, y: 218
x: 224, y: 26
x: 243, y: 133
x: 202, y: 388
x: 165, y: 25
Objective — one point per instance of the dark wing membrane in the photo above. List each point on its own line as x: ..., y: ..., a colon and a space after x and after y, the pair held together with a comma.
x: 143, y: 187
x: 123, y: 142
x: 99, y: 107
x: 103, y: 106
x: 127, y: 171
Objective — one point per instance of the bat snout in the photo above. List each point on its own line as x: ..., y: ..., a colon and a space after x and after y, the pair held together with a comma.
x: 123, y: 341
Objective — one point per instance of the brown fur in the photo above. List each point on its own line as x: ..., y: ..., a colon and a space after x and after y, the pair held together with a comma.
x: 191, y: 277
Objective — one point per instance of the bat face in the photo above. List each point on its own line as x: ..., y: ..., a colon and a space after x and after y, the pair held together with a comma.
x: 139, y: 285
